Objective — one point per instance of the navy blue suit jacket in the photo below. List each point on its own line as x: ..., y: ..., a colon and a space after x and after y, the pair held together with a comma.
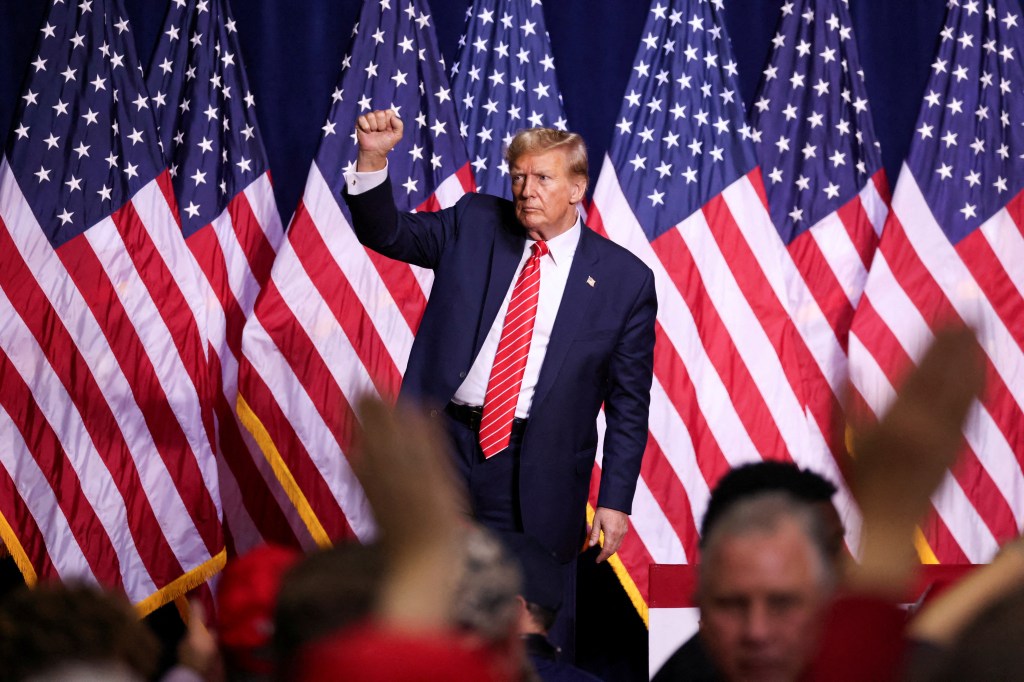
x: 601, y: 348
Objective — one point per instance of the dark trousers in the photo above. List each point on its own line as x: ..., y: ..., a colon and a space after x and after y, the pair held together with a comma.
x: 493, y: 486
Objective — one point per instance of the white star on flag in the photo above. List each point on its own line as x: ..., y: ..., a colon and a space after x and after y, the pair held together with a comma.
x: 504, y: 98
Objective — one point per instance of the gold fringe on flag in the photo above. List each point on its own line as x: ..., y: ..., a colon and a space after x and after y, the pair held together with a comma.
x: 284, y: 475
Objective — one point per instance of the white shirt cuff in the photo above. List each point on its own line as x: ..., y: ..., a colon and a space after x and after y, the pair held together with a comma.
x: 358, y: 182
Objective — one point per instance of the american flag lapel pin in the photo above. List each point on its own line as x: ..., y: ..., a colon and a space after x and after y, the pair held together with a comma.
x: 591, y: 281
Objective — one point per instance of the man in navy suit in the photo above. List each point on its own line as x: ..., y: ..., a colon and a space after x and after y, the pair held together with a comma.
x: 592, y: 341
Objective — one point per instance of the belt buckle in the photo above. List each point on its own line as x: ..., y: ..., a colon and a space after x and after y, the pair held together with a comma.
x: 466, y: 414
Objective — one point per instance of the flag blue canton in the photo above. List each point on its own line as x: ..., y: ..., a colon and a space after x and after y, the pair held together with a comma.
x: 675, y: 146
x: 503, y: 82
x: 811, y: 120
x: 395, y: 64
x: 208, y: 131
x: 968, y: 149
x: 85, y: 140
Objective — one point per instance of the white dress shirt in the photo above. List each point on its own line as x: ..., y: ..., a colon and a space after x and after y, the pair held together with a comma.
x: 554, y: 273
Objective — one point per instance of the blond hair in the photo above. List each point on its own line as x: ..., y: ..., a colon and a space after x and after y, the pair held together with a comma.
x: 540, y: 140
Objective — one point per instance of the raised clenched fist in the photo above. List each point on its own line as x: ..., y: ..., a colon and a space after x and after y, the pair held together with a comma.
x: 377, y: 133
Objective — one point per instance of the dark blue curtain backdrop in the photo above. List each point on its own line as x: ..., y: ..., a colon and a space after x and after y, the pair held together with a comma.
x: 293, y: 51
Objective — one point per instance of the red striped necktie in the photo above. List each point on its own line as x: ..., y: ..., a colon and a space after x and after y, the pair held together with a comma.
x: 510, y: 360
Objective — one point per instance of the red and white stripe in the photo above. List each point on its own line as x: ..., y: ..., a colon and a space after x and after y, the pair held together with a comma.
x: 235, y: 253
x: 105, y: 398
x: 824, y: 283
x: 336, y: 321
x: 919, y: 281
x: 728, y: 384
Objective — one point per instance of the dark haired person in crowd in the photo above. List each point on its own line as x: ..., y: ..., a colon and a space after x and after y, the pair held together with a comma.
x: 539, y: 601
x: 329, y: 590
x: 766, y: 578
x: 70, y: 632
x: 746, y: 482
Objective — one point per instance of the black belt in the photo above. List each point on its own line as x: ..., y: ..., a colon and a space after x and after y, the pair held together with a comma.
x: 470, y: 415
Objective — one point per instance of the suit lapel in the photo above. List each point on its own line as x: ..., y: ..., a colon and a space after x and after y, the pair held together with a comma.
x: 506, y: 253
x: 571, y: 313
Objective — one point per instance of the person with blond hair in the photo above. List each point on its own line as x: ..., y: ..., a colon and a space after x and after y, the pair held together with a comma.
x: 534, y: 323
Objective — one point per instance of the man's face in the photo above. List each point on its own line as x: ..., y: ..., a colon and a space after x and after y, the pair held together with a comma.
x: 545, y: 193
x: 761, y: 603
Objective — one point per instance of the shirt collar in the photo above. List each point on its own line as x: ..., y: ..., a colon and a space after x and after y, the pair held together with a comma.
x: 562, y: 248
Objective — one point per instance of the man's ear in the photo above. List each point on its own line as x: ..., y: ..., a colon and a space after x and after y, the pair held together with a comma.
x: 524, y: 617
x: 579, y: 188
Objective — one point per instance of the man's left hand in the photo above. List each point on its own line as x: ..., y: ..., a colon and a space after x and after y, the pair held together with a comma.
x: 614, y: 524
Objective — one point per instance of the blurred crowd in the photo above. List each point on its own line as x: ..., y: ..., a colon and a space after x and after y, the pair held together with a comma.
x: 438, y: 597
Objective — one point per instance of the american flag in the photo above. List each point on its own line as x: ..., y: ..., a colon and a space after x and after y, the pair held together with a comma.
x: 106, y: 468
x: 209, y: 134
x: 952, y: 250
x: 503, y: 82
x: 826, y: 189
x: 337, y: 320
x: 680, y: 187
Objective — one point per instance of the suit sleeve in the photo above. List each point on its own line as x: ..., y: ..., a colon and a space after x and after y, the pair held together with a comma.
x: 415, y: 238
x: 627, y: 405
